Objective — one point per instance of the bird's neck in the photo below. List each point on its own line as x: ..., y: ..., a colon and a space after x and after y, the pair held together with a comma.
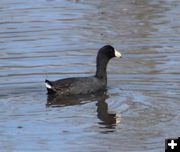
x: 101, y: 66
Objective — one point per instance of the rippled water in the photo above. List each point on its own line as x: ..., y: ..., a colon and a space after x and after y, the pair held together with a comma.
x: 53, y: 39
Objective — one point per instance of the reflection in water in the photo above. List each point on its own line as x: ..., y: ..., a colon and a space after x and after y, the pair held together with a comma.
x: 109, y: 120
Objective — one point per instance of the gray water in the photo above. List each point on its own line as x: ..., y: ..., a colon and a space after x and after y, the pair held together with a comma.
x: 52, y: 39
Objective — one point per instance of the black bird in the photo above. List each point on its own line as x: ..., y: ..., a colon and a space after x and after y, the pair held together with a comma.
x: 85, y: 85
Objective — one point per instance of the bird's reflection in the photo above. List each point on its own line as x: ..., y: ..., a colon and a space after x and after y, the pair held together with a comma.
x: 108, y: 120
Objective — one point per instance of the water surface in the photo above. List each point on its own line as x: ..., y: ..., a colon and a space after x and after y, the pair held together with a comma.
x: 51, y: 39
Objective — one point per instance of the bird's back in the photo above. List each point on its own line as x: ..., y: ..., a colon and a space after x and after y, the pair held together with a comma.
x: 75, y: 86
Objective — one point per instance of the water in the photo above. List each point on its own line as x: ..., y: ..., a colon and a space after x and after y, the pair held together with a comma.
x: 51, y: 39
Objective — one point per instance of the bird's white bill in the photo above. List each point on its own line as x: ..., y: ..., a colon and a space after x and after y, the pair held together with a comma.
x: 117, y: 54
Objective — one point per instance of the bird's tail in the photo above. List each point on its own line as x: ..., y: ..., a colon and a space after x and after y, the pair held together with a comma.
x: 49, y: 86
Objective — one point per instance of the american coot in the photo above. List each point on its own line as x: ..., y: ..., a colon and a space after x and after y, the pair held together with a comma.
x: 85, y: 85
